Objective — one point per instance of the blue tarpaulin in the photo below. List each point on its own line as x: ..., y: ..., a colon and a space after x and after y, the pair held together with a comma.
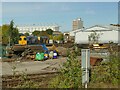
x: 44, y: 47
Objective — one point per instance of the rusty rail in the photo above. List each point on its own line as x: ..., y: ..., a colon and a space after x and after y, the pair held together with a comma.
x: 12, y: 81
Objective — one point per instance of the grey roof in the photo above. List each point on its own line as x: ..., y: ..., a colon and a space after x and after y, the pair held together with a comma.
x: 112, y: 27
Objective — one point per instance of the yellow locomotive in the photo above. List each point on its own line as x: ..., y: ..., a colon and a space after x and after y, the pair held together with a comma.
x: 30, y: 40
x: 22, y: 40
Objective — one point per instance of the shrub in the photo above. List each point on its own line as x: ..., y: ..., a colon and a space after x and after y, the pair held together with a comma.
x: 107, y: 72
x: 70, y: 74
x: 26, y: 82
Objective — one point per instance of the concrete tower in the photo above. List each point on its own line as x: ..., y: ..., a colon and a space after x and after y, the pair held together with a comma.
x: 77, y: 24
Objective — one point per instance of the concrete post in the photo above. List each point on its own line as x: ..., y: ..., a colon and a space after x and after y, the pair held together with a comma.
x: 85, y: 64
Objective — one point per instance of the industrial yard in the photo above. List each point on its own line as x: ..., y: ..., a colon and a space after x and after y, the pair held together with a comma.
x: 40, y: 71
x: 38, y: 59
x: 59, y: 45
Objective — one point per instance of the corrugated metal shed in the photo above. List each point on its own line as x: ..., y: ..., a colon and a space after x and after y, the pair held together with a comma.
x: 97, y: 28
x: 107, y: 33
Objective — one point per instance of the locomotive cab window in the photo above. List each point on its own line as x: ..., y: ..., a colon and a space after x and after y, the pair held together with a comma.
x: 24, y: 38
x: 20, y: 38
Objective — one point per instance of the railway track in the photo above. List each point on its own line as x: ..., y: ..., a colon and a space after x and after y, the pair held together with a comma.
x: 13, y: 81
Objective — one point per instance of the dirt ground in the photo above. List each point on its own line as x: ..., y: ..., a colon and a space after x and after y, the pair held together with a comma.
x: 31, y: 66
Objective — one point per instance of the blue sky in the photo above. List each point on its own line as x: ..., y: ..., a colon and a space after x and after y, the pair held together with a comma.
x: 61, y: 13
x: 60, y: 0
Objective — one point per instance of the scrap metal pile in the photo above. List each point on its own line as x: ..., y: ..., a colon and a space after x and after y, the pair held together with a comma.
x: 37, y: 52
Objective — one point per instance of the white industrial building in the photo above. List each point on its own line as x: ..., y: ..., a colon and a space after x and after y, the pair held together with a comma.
x: 31, y: 28
x: 107, y: 34
x: 73, y: 33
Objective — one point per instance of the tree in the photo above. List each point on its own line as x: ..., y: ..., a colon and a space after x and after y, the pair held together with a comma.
x: 0, y: 34
x: 59, y: 37
x: 13, y: 33
x: 26, y: 34
x: 44, y: 33
x: 10, y: 34
x: 40, y: 33
x: 10, y: 30
x: 5, y: 34
x: 36, y: 33
x: 93, y: 37
x: 49, y: 31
